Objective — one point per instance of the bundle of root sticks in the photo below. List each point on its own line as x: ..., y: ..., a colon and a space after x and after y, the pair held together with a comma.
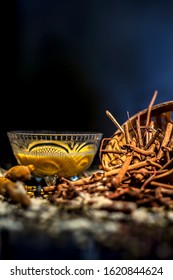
x: 136, y: 162
x: 139, y: 156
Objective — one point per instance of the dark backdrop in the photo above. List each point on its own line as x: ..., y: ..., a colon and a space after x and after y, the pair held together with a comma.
x: 65, y: 62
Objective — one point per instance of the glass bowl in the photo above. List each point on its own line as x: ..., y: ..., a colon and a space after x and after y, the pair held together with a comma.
x: 60, y: 154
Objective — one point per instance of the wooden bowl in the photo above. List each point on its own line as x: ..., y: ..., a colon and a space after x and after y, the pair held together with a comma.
x: 111, y: 149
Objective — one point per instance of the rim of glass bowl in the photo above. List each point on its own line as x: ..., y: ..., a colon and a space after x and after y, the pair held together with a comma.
x: 55, y: 135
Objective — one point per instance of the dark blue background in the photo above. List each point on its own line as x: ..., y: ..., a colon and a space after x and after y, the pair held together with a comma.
x: 67, y: 61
